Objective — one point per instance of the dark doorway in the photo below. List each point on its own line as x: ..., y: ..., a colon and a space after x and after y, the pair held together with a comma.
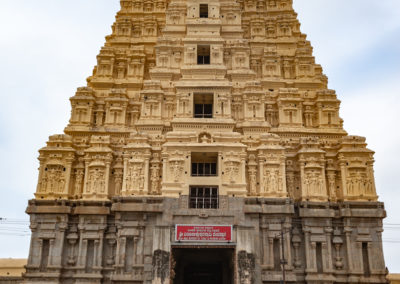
x: 202, y: 265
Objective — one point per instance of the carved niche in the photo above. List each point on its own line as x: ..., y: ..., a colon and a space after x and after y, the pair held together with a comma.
x: 231, y: 168
x: 96, y: 178
x: 252, y: 175
x: 328, y: 109
x: 136, y: 166
x: 97, y: 168
x: 290, y: 108
x: 82, y: 106
x: 356, y: 165
x: 135, y: 175
x: 271, y: 157
x: 312, y: 167
x: 55, y: 168
x: 176, y: 168
x: 118, y: 174
x: 116, y: 106
x: 151, y: 98
x: 79, y: 174
x: 155, y: 174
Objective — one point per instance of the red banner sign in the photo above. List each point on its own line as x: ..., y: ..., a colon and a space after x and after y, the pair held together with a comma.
x: 203, y: 233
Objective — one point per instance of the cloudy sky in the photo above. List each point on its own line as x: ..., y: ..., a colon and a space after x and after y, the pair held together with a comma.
x: 48, y: 48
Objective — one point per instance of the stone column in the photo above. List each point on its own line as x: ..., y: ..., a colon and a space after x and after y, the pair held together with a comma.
x: 288, y: 249
x: 306, y: 231
x: 161, y: 255
x: 41, y: 170
x: 271, y: 252
x: 283, y: 175
x: 100, y: 248
x: 324, y: 180
x: 67, y: 176
x: 347, y: 231
x: 313, y: 256
x: 85, y: 178
x: 328, y: 234
x: 264, y: 231
x: 304, y: 195
x: 107, y: 179
x: 124, y: 189
x: 118, y: 253
x: 96, y: 253
x: 40, y: 241
x: 146, y: 176
x: 344, y: 177
x: 82, y: 252
x: 261, y: 175
x: 243, y: 166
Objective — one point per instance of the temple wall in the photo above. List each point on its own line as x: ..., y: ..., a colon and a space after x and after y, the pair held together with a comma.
x: 130, y: 239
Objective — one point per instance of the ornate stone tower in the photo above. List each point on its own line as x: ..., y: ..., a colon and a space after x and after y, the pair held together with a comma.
x: 206, y: 148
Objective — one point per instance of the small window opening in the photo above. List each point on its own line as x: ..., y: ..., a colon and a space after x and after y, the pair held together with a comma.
x: 203, y: 197
x: 203, y: 105
x: 203, y: 10
x: 203, y: 54
x: 204, y: 164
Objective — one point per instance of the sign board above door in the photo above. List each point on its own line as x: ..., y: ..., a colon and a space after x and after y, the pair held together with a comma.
x: 203, y: 233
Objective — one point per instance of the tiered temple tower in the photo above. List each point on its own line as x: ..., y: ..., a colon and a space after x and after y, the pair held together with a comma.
x: 204, y: 113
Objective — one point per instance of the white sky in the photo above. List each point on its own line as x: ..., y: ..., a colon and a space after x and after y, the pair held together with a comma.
x: 48, y: 48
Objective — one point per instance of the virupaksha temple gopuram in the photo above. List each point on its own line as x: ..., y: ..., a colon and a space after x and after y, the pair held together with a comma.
x: 206, y: 148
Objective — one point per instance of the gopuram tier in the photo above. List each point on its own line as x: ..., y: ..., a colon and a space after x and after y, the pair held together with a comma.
x: 204, y: 118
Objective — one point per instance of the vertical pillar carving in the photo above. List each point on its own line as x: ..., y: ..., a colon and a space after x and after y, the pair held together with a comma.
x: 349, y: 243
x: 328, y: 234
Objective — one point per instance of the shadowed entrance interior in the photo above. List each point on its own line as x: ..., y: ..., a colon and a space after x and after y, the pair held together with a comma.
x: 203, y: 265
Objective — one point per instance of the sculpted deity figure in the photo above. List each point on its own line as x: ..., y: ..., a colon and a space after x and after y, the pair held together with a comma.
x: 273, y: 181
x: 286, y: 70
x: 121, y: 70
x: 102, y: 187
x: 90, y: 184
x: 280, y: 181
x: 320, y: 185
x: 350, y: 185
x: 266, y: 180
x: 53, y: 180
x: 61, y: 184
x: 44, y: 183
x: 96, y: 180
x: 368, y: 186
x: 118, y: 181
x: 154, y: 177
x: 290, y: 183
x: 253, y: 181
x: 141, y: 179
x: 78, y: 182
x: 232, y: 171
x: 332, y: 186
x: 308, y: 183
x: 136, y: 176
x: 177, y: 170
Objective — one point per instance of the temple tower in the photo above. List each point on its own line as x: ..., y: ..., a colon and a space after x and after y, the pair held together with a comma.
x: 206, y: 148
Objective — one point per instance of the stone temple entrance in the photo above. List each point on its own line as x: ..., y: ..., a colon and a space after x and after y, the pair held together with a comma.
x: 203, y: 265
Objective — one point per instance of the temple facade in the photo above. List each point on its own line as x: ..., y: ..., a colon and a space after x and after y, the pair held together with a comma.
x: 206, y: 148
